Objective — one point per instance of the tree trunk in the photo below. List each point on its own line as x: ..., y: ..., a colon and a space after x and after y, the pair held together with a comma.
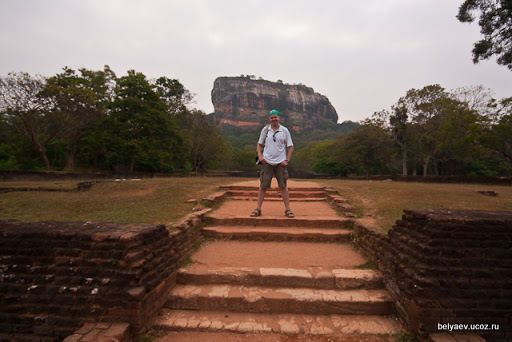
x: 70, y: 161
x: 404, y: 162
x: 46, y: 161
x: 42, y: 153
x: 436, y: 169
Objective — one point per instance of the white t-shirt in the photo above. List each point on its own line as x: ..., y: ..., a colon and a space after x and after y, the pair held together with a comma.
x: 275, y: 152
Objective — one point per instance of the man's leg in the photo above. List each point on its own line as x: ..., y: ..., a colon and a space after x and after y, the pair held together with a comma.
x: 261, y: 196
x: 265, y: 181
x: 282, y: 177
x: 266, y: 174
x: 285, y: 194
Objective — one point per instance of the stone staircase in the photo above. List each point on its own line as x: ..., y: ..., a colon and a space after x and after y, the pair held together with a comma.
x: 270, y: 274
x: 315, y: 219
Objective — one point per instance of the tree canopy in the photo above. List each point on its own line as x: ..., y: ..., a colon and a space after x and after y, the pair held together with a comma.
x: 94, y: 120
x: 496, y: 27
x: 429, y: 131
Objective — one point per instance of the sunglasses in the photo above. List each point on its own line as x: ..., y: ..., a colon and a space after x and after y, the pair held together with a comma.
x: 274, y: 136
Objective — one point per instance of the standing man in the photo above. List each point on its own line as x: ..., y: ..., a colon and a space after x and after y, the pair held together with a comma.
x: 275, y: 149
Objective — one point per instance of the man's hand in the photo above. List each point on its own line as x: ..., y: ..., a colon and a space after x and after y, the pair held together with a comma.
x: 262, y: 160
x: 284, y: 163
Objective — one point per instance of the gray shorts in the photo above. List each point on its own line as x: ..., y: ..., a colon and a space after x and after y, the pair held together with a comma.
x: 268, y: 171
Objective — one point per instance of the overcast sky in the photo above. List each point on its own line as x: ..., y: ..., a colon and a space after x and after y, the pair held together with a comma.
x: 362, y: 55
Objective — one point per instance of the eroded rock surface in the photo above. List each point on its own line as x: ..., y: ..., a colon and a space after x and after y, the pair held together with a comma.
x: 246, y: 102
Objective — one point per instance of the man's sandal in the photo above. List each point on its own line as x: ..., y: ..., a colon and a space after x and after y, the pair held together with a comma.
x: 289, y: 213
x: 256, y: 213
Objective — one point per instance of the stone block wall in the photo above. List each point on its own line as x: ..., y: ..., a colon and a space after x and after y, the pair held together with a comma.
x: 55, y: 276
x: 448, y: 270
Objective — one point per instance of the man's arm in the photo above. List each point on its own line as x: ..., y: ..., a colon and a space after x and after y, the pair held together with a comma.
x: 259, y: 147
x: 288, y: 156
x: 260, y: 154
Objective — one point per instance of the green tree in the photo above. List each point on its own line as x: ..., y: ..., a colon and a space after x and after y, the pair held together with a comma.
x: 368, y: 149
x: 79, y: 101
x: 28, y: 113
x: 203, y: 142
x: 455, y: 137
x: 16, y: 151
x: 398, y: 122
x: 498, y: 137
x: 440, y: 130
x: 495, y: 25
x: 424, y: 108
x: 9, y: 145
x: 326, y: 166
x: 243, y: 158
x: 306, y: 158
x: 477, y: 98
x: 174, y: 94
x: 138, y: 134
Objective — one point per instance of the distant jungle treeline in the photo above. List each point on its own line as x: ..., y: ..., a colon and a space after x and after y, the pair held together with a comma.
x: 93, y: 120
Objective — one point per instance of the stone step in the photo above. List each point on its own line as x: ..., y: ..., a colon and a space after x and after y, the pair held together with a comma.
x: 314, y: 257
x: 341, y: 279
x: 255, y: 299
x: 279, y: 199
x: 286, y: 324
x: 100, y: 331
x: 277, y: 233
x: 271, y: 194
x: 255, y: 188
x: 215, y: 219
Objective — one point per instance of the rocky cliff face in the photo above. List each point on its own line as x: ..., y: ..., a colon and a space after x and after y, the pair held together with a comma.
x: 245, y: 102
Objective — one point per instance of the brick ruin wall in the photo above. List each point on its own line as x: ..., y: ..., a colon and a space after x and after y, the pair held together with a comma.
x: 441, y: 267
x: 55, y: 276
x: 447, y: 267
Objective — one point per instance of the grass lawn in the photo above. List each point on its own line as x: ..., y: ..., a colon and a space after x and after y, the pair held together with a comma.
x: 156, y: 200
x: 162, y: 200
x: 385, y: 201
